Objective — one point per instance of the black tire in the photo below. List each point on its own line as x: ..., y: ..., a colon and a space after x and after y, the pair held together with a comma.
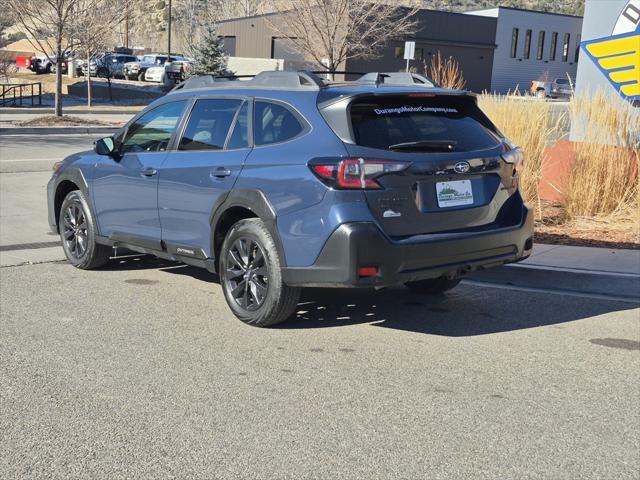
x: 251, y: 276
x: 141, y: 77
x: 101, y: 72
x: 78, y: 233
x: 433, y: 286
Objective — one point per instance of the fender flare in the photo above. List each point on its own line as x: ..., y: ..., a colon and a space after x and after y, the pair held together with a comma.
x: 254, y: 201
x: 76, y: 176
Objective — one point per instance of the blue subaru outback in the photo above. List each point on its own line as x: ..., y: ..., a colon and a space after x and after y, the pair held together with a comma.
x: 288, y: 181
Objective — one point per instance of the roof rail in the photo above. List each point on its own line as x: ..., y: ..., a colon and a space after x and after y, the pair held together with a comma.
x: 288, y: 80
x: 396, y: 78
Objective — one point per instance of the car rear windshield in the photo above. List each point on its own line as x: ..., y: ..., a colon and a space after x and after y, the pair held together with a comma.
x: 562, y: 81
x: 427, y: 121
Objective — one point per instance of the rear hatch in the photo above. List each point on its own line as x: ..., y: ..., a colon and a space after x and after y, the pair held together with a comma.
x: 456, y: 180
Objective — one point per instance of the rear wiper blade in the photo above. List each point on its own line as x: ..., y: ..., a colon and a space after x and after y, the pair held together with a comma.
x: 431, y: 145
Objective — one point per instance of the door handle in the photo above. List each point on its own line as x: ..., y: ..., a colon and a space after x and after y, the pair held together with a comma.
x: 220, y: 172
x: 149, y: 172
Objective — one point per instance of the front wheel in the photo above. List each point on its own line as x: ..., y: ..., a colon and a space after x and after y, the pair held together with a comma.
x: 78, y: 234
x: 141, y: 77
x: 433, y: 286
x: 251, y: 276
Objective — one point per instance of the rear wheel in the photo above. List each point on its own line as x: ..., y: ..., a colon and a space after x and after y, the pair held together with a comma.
x: 541, y: 93
x: 251, y: 277
x: 432, y: 286
x: 78, y: 234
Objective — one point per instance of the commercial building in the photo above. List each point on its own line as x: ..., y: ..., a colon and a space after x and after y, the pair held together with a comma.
x: 498, y: 49
x: 532, y: 45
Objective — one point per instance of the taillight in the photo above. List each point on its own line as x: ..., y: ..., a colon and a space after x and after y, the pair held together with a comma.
x: 355, y: 173
x: 514, y: 157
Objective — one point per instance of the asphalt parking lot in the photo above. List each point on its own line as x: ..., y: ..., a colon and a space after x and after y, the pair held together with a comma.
x: 139, y: 370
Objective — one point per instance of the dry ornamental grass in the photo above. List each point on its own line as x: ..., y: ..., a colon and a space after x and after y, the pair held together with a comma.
x: 602, y: 196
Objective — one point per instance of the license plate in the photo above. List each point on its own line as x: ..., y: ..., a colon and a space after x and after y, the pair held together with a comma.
x: 454, y: 193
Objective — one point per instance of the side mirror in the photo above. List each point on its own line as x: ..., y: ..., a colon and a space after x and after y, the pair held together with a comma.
x: 106, y: 146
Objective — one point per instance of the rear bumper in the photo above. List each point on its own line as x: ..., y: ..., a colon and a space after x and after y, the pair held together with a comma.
x: 354, y: 245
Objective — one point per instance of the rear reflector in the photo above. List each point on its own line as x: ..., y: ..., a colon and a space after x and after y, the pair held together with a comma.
x: 367, y: 271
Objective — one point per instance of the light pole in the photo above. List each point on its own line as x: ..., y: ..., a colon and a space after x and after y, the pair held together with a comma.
x: 169, y: 34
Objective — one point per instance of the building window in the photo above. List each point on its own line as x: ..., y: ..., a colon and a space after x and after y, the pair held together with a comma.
x: 527, y: 44
x: 577, y: 55
x: 540, y: 45
x: 286, y: 49
x: 514, y: 43
x: 554, y: 46
x: 565, y: 47
x: 229, y: 45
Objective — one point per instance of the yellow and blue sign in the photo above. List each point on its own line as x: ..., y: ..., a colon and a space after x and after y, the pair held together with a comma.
x: 618, y: 56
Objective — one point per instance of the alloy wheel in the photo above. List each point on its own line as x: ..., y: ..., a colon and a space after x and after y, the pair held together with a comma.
x: 246, y: 274
x: 74, y: 230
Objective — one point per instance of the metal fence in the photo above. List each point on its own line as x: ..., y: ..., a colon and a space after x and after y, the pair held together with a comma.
x: 21, y: 93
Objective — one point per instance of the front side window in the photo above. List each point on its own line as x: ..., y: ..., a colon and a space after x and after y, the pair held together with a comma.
x: 274, y: 123
x: 209, y: 124
x: 153, y: 130
x: 540, y: 45
x: 527, y: 44
x: 514, y: 43
x: 554, y: 46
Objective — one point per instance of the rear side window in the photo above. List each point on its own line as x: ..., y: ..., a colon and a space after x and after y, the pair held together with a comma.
x: 387, y: 122
x: 209, y: 124
x: 274, y: 123
x: 240, y: 136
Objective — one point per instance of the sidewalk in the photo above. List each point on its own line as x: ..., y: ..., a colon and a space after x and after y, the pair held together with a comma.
x: 586, y: 270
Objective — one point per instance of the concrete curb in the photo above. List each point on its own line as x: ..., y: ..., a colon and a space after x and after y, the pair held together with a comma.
x: 595, y: 282
x: 56, y: 130
x: 67, y: 111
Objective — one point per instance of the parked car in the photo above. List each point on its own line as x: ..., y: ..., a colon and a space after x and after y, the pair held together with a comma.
x: 174, y: 72
x: 37, y: 64
x: 77, y: 65
x: 287, y: 181
x: 558, y: 88
x: 136, y: 69
x: 178, y: 70
x: 155, y: 74
x: 107, y: 65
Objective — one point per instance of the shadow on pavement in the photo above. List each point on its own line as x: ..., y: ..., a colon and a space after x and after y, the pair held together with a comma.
x: 465, y: 311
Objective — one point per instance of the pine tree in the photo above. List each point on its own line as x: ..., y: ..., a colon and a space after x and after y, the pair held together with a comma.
x: 208, y: 53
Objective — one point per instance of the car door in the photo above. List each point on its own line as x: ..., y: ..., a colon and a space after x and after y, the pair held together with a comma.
x: 125, y: 191
x: 201, y: 171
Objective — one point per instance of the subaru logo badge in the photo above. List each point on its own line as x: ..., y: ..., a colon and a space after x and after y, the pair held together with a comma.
x: 462, y: 167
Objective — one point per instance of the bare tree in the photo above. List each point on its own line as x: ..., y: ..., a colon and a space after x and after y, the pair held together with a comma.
x: 45, y: 22
x: 51, y: 26
x: 331, y: 31
x: 92, y: 31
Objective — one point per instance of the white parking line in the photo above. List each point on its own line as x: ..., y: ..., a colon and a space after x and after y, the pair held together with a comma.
x: 594, y: 296
x: 52, y: 160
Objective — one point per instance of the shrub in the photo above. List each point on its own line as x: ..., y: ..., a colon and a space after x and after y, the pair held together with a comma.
x: 531, y: 125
